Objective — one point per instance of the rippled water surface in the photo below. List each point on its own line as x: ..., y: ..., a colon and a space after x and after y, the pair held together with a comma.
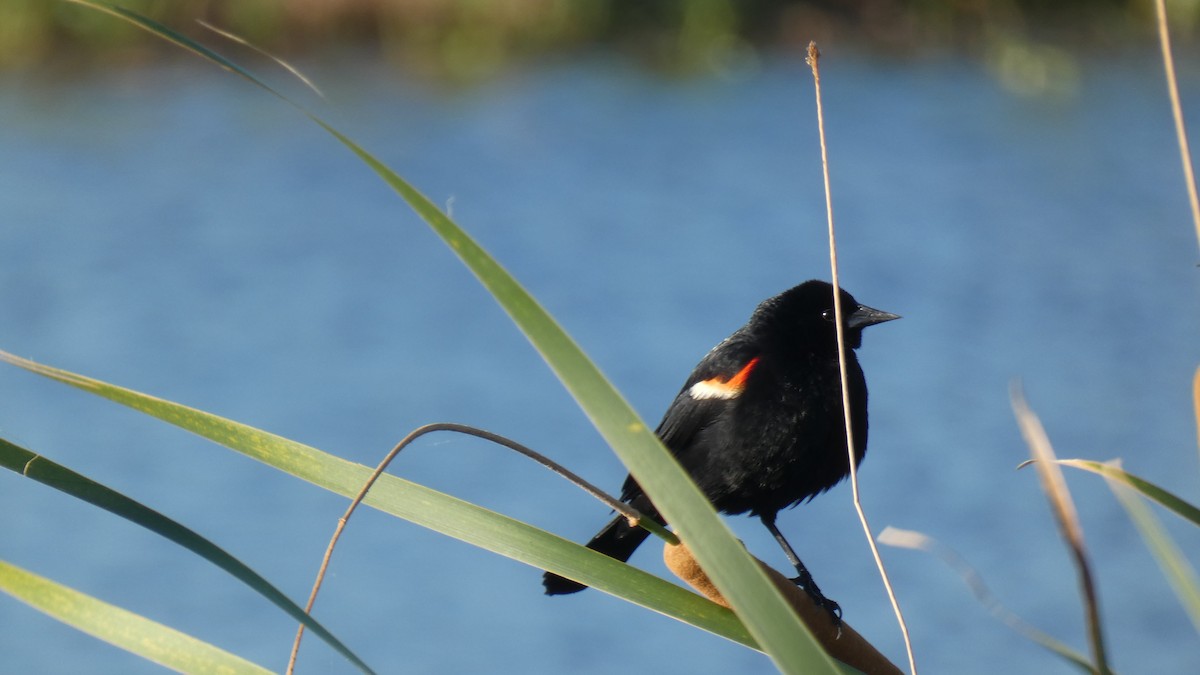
x: 176, y: 231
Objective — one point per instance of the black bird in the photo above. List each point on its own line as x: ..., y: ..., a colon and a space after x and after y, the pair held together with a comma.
x: 759, y: 423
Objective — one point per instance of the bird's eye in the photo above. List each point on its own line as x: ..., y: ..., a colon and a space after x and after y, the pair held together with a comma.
x: 828, y: 315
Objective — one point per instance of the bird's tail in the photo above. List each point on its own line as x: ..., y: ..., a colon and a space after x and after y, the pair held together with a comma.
x: 617, y: 540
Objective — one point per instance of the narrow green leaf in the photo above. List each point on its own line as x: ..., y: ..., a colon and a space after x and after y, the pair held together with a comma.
x: 159, y: 30
x: 1063, y: 651
x: 1174, y: 564
x: 131, y: 632
x: 40, y: 469
x: 1166, y: 498
x: 423, y: 506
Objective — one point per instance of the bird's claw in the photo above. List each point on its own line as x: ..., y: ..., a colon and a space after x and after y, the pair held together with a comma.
x: 806, y: 582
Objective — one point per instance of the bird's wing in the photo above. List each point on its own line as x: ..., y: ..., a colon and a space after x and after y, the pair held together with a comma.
x: 716, y: 381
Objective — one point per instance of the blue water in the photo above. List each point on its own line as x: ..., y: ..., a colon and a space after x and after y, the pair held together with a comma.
x: 176, y: 231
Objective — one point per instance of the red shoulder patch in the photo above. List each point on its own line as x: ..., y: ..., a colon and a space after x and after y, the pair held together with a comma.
x: 718, y: 387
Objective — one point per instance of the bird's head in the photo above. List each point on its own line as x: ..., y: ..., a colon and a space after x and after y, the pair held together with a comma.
x: 806, y: 313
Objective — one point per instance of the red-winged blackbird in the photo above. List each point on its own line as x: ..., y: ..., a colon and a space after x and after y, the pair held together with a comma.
x: 759, y: 423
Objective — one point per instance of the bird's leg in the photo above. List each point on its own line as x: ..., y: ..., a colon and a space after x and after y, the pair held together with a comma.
x: 804, y: 578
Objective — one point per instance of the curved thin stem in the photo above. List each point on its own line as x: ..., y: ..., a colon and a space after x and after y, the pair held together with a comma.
x: 631, y: 514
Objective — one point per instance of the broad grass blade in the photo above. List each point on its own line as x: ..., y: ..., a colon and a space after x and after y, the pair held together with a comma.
x: 47, y: 472
x: 423, y: 506
x: 131, y: 632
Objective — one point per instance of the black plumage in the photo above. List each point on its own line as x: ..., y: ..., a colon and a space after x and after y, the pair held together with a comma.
x: 759, y: 424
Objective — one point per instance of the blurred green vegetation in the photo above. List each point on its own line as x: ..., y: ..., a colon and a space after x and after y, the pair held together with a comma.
x: 470, y: 39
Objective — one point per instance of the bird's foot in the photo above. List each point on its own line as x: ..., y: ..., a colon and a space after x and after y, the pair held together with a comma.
x: 806, y: 582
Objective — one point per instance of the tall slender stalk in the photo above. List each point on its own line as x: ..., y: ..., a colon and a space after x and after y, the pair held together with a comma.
x: 1185, y: 153
x: 814, y: 56
x: 1067, y: 518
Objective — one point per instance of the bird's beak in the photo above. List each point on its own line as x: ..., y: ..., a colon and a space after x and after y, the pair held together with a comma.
x: 865, y: 316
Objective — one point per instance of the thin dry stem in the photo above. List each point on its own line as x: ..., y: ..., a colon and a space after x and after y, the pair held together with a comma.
x: 814, y: 56
x: 1196, y: 403
x: 920, y: 541
x: 631, y: 514
x: 1067, y: 518
x: 1164, y: 40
